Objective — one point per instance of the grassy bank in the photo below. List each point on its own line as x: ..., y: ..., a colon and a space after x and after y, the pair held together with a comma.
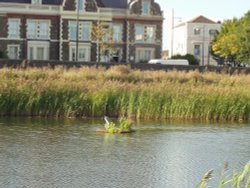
x: 120, y: 91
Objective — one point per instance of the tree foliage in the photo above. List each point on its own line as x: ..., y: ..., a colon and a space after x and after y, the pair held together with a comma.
x: 102, y: 35
x: 233, y: 41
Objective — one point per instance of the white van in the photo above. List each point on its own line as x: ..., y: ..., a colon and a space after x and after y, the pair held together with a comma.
x: 169, y: 61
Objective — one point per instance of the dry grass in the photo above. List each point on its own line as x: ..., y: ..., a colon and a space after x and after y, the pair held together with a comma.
x: 121, y: 91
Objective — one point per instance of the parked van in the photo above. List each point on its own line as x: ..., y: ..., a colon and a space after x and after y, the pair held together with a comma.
x: 169, y: 61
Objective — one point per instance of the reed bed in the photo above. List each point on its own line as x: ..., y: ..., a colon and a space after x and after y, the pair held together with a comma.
x: 121, y: 91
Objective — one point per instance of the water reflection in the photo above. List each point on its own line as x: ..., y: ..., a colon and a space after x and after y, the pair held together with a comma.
x: 69, y: 153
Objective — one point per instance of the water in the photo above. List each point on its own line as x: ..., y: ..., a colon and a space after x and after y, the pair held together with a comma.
x: 39, y: 153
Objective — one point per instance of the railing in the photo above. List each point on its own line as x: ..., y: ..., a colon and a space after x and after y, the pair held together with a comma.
x: 27, y: 7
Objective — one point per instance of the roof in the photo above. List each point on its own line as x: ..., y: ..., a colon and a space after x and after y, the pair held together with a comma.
x: 112, y: 3
x: 49, y: 2
x: 201, y: 19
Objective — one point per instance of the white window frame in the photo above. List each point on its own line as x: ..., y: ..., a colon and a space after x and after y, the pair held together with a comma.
x: 17, y: 31
x: 138, y: 54
x: 117, y: 36
x: 36, y: 2
x: 72, y: 48
x: 37, y: 29
x: 38, y: 44
x: 18, y: 51
x: 150, y: 39
x: 81, y: 31
x: 143, y: 37
x: 139, y: 37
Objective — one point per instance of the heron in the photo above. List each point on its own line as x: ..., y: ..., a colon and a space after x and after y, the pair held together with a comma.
x: 106, y: 120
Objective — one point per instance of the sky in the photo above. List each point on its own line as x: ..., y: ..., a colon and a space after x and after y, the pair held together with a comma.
x: 216, y: 10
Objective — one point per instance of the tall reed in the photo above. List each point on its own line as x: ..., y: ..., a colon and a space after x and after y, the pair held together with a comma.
x: 121, y: 91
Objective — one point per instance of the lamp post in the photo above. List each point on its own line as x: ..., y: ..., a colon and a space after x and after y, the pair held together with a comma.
x: 203, y: 46
x: 77, y: 29
x: 172, y: 36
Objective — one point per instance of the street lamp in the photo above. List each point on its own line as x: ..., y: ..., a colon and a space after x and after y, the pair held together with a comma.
x: 77, y: 29
x: 172, y: 36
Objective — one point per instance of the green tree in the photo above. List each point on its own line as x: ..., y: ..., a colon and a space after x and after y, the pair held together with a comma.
x: 233, y: 41
x: 244, y: 38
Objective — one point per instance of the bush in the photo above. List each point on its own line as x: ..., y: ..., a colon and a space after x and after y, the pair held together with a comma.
x: 191, y: 59
x: 3, y: 55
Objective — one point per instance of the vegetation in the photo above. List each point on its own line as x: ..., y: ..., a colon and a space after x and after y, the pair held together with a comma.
x: 3, y: 55
x: 238, y: 180
x: 125, y: 125
x: 233, y: 41
x: 102, y: 35
x: 123, y: 92
x: 191, y: 59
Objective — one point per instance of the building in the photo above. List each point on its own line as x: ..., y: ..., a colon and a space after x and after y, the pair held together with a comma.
x: 62, y: 29
x: 195, y: 37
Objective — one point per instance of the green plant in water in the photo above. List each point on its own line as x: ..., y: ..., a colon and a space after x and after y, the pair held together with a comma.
x: 125, y: 124
x: 110, y: 127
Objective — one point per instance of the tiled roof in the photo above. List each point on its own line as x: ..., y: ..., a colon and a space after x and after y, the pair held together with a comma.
x: 201, y: 19
x: 112, y: 3
x: 49, y: 2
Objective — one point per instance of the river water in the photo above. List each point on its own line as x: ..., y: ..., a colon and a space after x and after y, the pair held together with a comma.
x: 65, y: 153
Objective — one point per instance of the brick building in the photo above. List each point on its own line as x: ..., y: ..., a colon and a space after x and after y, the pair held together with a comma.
x: 62, y: 29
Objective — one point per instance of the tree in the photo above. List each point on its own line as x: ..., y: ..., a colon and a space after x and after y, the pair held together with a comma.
x: 226, y: 43
x: 102, y: 35
x: 191, y: 59
x: 233, y: 41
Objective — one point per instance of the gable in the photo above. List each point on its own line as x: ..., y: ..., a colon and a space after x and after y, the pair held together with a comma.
x: 201, y: 19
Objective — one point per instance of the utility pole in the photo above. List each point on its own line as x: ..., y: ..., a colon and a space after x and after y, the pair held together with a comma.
x: 203, y: 46
x: 77, y: 29
x: 172, y: 33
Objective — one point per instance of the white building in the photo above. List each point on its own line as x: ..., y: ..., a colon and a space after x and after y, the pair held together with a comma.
x: 194, y: 37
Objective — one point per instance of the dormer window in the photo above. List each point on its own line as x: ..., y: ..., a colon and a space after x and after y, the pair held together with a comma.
x: 145, y: 8
x: 81, y: 5
x: 36, y: 2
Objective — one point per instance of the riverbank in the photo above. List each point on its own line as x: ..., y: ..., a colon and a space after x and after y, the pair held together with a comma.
x: 121, y: 91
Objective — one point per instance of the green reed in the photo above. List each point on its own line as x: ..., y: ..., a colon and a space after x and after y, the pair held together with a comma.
x: 121, y: 91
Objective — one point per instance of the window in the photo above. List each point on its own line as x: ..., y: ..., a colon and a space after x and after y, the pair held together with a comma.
x: 38, y: 50
x: 117, y: 33
x: 145, y: 34
x: 139, y: 33
x: 36, y: 2
x: 212, y: 32
x: 13, y: 51
x: 197, y: 51
x: 144, y: 54
x: 197, y: 31
x: 83, y: 53
x: 145, y: 8
x: 85, y: 28
x: 150, y: 34
x: 38, y: 29
x: 84, y: 31
x: 72, y: 31
x: 14, y: 28
x: 81, y: 4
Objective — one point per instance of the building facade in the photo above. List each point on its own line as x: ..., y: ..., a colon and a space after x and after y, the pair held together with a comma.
x: 63, y: 29
x: 195, y: 37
